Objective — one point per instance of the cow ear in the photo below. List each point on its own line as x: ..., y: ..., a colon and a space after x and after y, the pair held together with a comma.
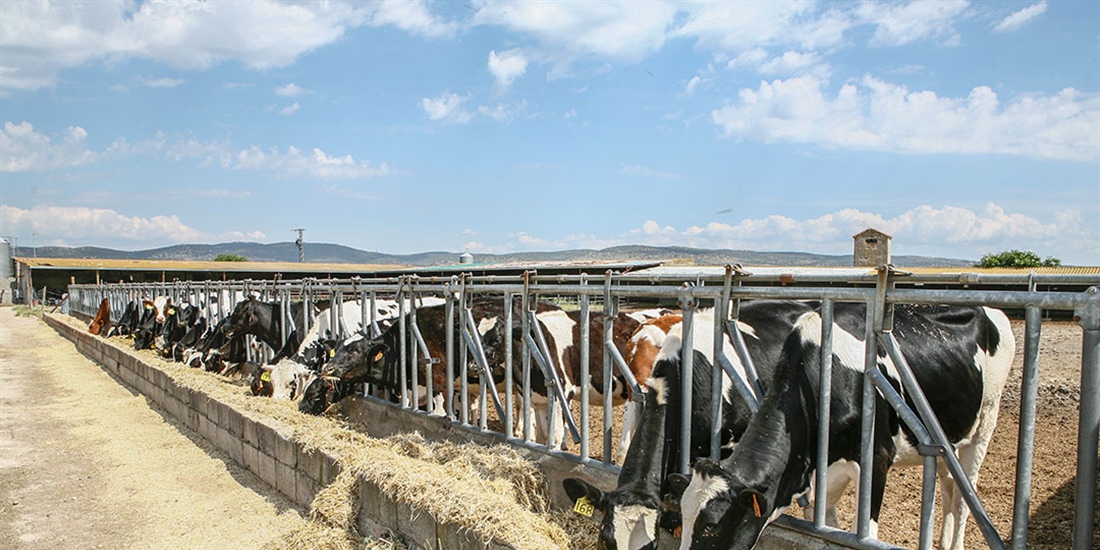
x: 755, y: 501
x: 677, y: 484
x: 578, y: 489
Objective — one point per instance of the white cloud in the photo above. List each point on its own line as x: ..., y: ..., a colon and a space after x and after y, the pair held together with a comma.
x: 1020, y: 18
x: 620, y: 31
x: 639, y: 170
x: 792, y: 62
x: 24, y: 150
x: 161, y: 82
x: 41, y: 38
x: 503, y: 112
x: 447, y: 108
x: 877, y: 115
x: 507, y: 66
x: 317, y: 164
x: 943, y: 231
x: 900, y: 24
x: 947, y: 231
x: 290, y: 109
x: 290, y: 90
x: 75, y: 226
x: 731, y: 29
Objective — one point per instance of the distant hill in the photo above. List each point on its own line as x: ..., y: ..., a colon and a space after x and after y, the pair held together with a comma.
x: 335, y: 253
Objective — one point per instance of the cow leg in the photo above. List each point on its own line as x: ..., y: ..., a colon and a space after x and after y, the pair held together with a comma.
x: 541, y: 419
x: 955, y: 511
x: 840, y: 474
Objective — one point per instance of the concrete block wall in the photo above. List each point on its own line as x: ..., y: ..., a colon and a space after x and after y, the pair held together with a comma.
x: 267, y: 449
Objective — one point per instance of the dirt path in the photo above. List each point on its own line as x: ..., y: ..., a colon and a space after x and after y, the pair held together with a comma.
x: 87, y: 463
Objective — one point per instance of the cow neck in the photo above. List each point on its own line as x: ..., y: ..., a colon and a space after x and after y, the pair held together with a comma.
x: 776, y: 454
x: 643, y: 468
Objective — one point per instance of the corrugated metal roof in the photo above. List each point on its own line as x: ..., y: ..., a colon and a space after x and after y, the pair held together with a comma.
x: 195, y: 265
x: 1069, y: 270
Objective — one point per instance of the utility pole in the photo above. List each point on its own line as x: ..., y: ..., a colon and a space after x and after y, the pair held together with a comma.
x: 301, y: 242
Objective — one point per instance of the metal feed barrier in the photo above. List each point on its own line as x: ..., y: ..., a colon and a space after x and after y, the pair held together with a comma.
x: 722, y: 289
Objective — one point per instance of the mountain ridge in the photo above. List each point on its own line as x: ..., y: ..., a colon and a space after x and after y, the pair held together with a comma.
x: 336, y: 253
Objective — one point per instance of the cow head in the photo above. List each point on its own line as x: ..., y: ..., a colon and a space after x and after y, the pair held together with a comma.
x: 248, y: 316
x: 721, y: 511
x: 629, y: 517
x: 286, y: 378
x: 362, y: 359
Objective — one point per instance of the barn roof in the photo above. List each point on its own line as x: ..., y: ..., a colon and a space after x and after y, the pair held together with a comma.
x: 198, y: 265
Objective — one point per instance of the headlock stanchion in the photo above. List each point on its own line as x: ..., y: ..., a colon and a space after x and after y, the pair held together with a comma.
x: 723, y: 290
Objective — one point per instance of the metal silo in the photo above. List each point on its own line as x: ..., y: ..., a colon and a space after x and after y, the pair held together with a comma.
x: 7, y: 267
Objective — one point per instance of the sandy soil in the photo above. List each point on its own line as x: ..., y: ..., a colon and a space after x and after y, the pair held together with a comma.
x: 86, y: 463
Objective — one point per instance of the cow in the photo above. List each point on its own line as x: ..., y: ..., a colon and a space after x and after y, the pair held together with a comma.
x: 562, y: 334
x: 960, y: 356
x: 127, y: 322
x: 265, y: 321
x: 641, y: 354
x: 101, y: 323
x: 178, y: 319
x: 150, y: 322
x: 631, y: 511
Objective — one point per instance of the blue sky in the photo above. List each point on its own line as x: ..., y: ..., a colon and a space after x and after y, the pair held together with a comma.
x: 960, y: 128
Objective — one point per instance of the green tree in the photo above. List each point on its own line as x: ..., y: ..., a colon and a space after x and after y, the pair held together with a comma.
x: 1017, y: 258
x: 230, y: 258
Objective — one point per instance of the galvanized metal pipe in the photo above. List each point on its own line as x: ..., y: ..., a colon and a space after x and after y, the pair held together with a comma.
x: 824, y: 414
x: 687, y: 362
x: 1025, y: 449
x: 867, y: 427
x: 1088, y: 429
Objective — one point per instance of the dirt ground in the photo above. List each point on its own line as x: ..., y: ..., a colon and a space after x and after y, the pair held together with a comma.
x: 87, y: 463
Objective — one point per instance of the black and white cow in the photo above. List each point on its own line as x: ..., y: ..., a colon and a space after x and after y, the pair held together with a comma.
x: 631, y: 512
x: 150, y: 322
x: 127, y: 322
x: 960, y: 357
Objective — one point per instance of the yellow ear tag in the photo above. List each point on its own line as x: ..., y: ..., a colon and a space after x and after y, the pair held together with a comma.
x: 266, y: 376
x: 584, y: 507
x: 171, y: 311
x: 756, y: 506
x: 148, y: 306
x: 378, y: 357
x: 331, y: 353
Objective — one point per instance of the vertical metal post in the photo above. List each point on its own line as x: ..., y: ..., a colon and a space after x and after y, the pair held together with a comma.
x: 449, y: 331
x: 509, y: 376
x: 824, y: 414
x: 1088, y: 430
x: 586, y: 376
x: 403, y: 345
x: 610, y: 309
x: 721, y: 306
x: 525, y: 327
x: 463, y: 357
x: 1025, y: 450
x: 687, y: 361
x: 867, y: 440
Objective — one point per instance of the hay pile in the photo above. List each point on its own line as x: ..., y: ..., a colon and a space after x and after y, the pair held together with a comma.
x: 493, y: 492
